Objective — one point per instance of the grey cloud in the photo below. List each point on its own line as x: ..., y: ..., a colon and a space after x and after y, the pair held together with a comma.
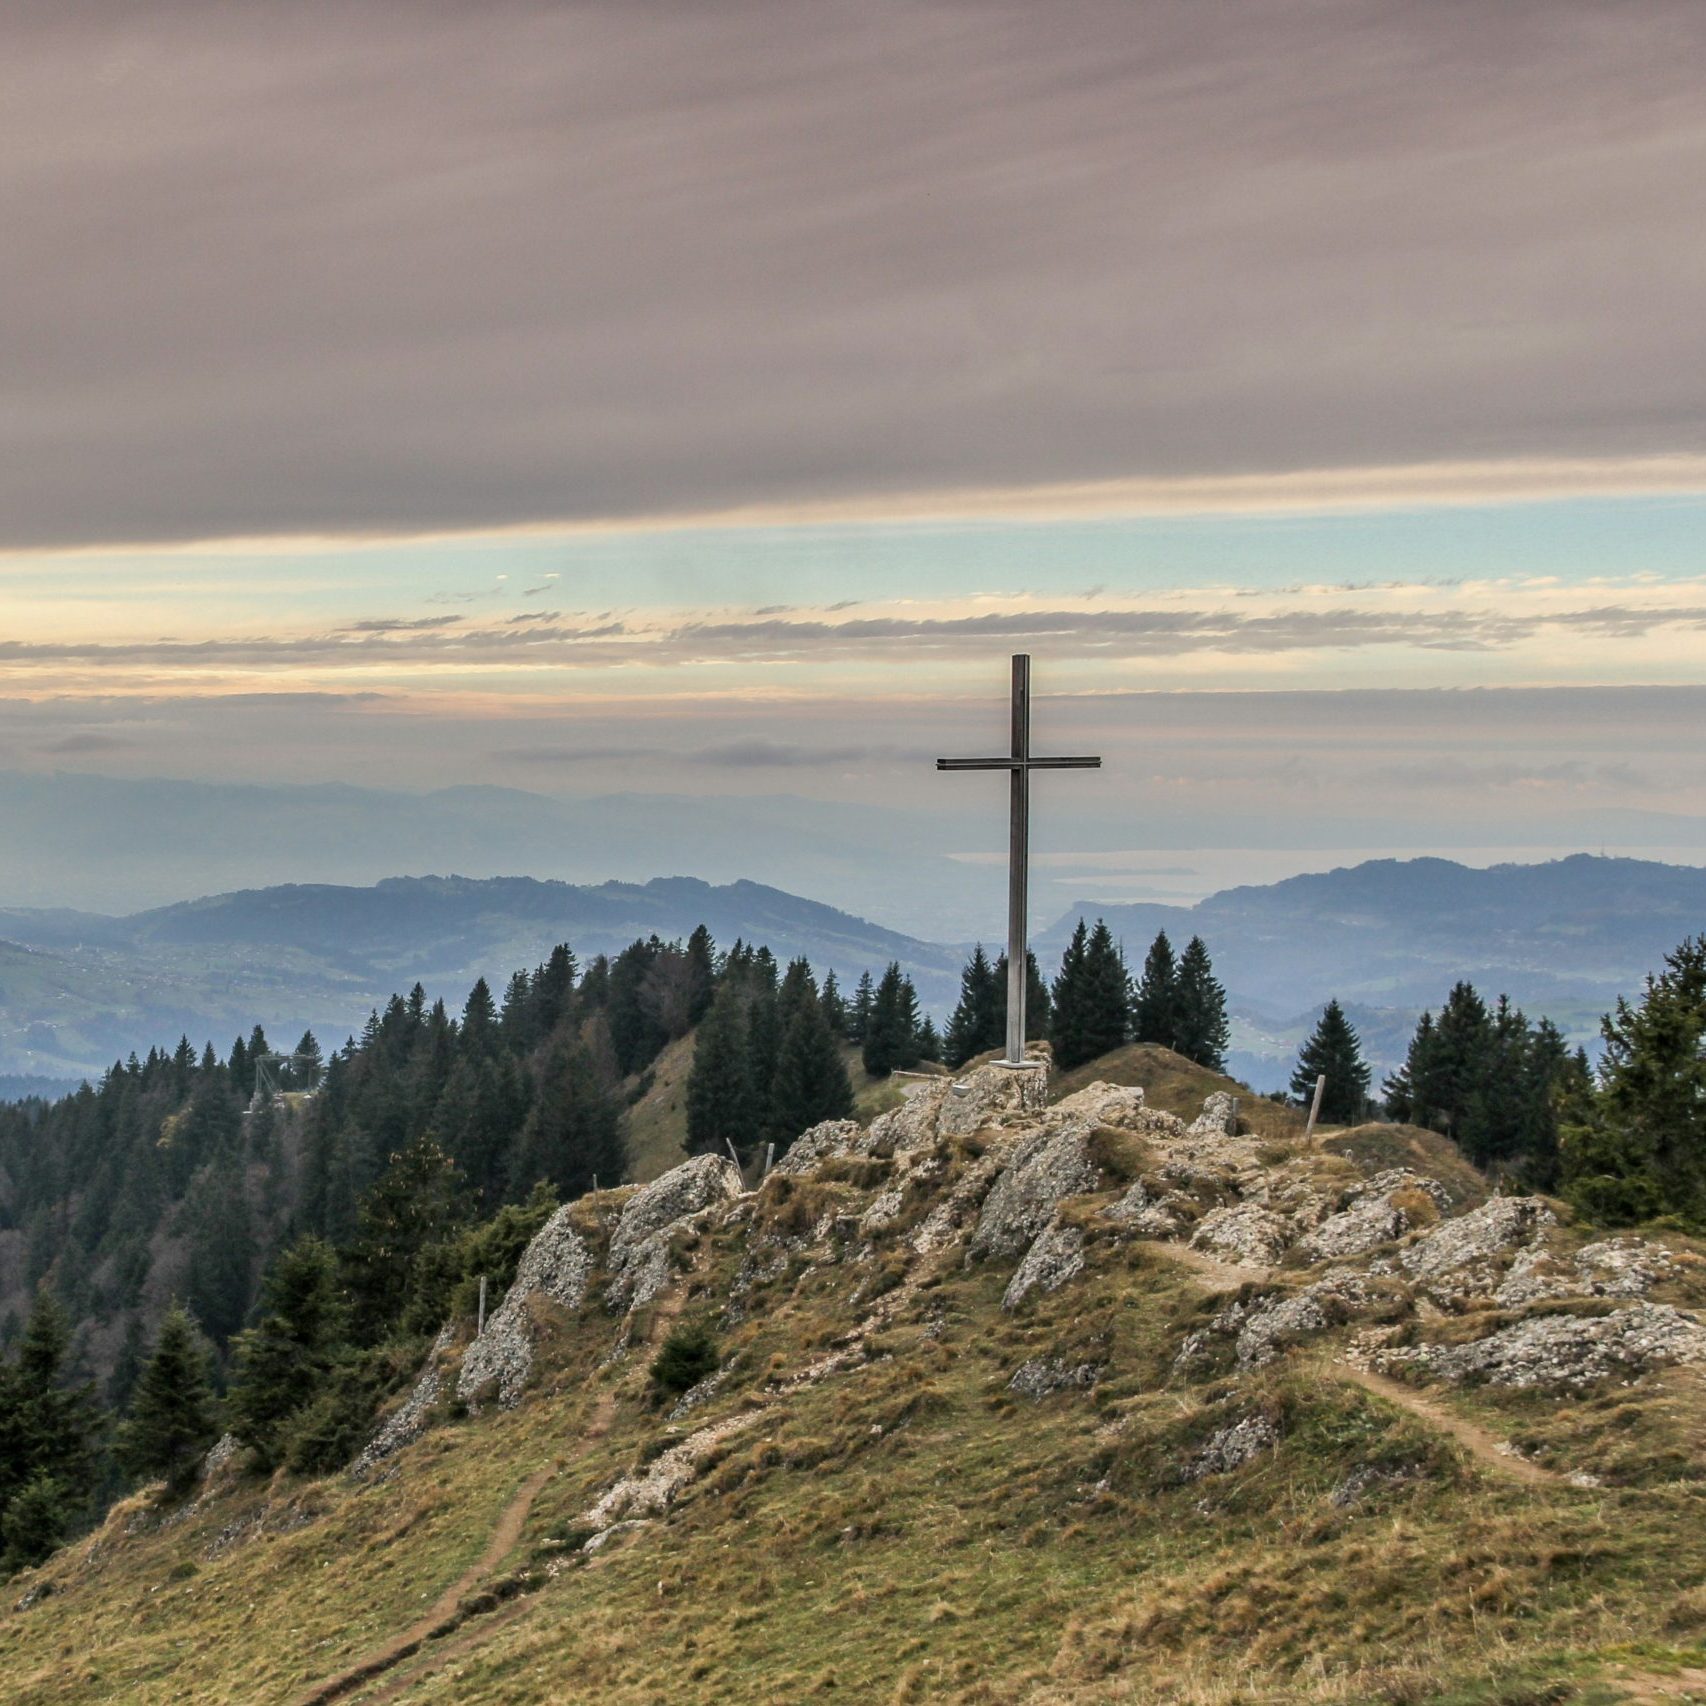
x: 296, y: 264
x: 760, y: 754
x: 74, y: 745
x: 402, y: 625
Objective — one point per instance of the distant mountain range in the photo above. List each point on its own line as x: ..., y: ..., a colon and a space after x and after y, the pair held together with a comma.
x: 79, y: 989
x: 1389, y: 937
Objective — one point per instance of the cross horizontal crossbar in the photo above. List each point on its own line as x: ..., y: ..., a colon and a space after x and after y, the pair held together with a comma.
x: 1018, y: 764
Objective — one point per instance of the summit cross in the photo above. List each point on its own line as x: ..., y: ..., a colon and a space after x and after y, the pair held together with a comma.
x: 1019, y: 763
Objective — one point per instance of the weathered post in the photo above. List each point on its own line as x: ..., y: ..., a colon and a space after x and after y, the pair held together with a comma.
x: 769, y: 1160
x: 1315, y: 1107
x: 481, y: 1326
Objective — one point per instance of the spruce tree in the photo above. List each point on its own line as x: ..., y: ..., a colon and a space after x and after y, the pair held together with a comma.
x: 573, y: 1133
x: 1203, y: 1031
x: 1333, y: 1048
x: 282, y: 1360
x: 1106, y: 1015
x: 1155, y: 1001
x: 977, y: 1021
x: 891, y: 1035
x: 720, y: 1104
x: 811, y: 1083
x: 701, y: 974
x: 1068, y: 1024
x: 172, y: 1419
x: 834, y: 1006
x: 859, y: 1015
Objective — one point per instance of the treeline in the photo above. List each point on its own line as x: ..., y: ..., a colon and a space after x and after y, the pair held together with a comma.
x: 1095, y: 1004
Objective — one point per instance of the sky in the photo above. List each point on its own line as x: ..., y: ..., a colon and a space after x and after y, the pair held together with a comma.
x: 588, y: 398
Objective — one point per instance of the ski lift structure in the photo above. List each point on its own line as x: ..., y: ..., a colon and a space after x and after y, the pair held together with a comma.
x: 271, y: 1073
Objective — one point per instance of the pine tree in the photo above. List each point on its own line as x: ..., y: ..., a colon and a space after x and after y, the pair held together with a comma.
x: 220, y: 1277
x: 574, y: 1131
x: 1068, y: 1026
x: 1155, y: 1001
x: 720, y: 1103
x: 281, y: 1361
x: 1333, y: 1048
x: 977, y: 1021
x: 929, y: 1040
x: 172, y: 1419
x: 1203, y: 1032
x: 864, y: 1000
x: 834, y: 1006
x: 1106, y: 987
x: 811, y: 1083
x: 891, y: 1034
x: 701, y: 976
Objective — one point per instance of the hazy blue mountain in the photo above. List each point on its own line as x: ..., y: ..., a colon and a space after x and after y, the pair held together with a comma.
x: 78, y: 990
x: 1389, y: 937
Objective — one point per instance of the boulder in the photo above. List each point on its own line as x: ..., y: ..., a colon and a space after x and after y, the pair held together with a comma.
x: 1219, y: 1116
x: 817, y: 1143
x: 1566, y: 1352
x: 1618, y: 1267
x: 1232, y: 1447
x: 1244, y: 1232
x: 1055, y: 1256
x: 1048, y: 1165
x: 1040, y: 1376
x: 1467, y: 1253
x: 1371, y: 1218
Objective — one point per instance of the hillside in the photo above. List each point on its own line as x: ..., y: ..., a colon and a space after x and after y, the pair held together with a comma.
x: 85, y: 989
x: 1012, y: 1404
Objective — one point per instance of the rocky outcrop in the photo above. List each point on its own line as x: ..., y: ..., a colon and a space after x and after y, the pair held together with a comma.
x: 654, y: 1491
x: 1055, y: 1256
x: 1232, y: 1447
x: 1245, y: 1233
x: 558, y: 1265
x: 406, y: 1424
x: 1565, y: 1352
x: 1467, y: 1254
x: 1040, y: 1376
x: 1619, y: 1267
x: 818, y: 1143
x: 1048, y: 1165
x: 639, y: 1247
x: 1219, y: 1116
x: 1379, y: 1212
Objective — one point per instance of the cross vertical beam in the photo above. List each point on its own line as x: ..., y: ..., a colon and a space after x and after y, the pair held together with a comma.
x: 1019, y: 764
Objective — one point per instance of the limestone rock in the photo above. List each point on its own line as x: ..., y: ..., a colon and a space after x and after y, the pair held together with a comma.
x: 1218, y: 1118
x: 817, y: 1143
x: 639, y: 1247
x: 1265, y: 1326
x: 1371, y: 1218
x: 1232, y: 1447
x: 556, y: 1264
x: 990, y: 1093
x: 1618, y: 1267
x: 1466, y: 1253
x: 1040, y: 1376
x: 651, y: 1493
x: 1055, y: 1256
x: 1048, y: 1165
x: 1565, y: 1351
x: 1244, y: 1232
x: 1105, y: 1104
x: 407, y: 1424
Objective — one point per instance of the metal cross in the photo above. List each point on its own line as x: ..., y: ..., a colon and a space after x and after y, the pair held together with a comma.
x: 1020, y: 764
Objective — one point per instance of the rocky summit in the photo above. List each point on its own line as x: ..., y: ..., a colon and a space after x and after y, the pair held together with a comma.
x: 996, y: 1399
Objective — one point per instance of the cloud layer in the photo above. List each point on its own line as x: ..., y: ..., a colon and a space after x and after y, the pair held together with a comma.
x: 296, y: 265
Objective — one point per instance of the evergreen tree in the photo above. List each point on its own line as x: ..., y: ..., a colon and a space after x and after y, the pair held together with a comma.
x: 811, y: 1083
x: 1106, y: 1014
x: 172, y: 1420
x: 553, y: 990
x: 929, y: 1040
x: 1155, y: 1002
x: 1067, y: 1024
x: 720, y: 1104
x: 420, y: 1200
x: 701, y: 974
x: 1334, y: 1049
x: 891, y: 1034
x: 1638, y: 1148
x: 1039, y: 1007
x: 859, y: 1016
x: 220, y: 1277
x: 310, y: 1065
x: 979, y: 1018
x: 834, y: 1007
x: 1203, y: 1031
x: 574, y: 1131
x: 282, y: 1360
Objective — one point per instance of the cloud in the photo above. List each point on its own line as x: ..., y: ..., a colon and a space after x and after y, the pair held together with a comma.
x: 77, y: 745
x: 580, y: 260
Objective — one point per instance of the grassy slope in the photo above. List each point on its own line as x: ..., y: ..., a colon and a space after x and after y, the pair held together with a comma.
x: 1178, y: 1086
x: 910, y: 1531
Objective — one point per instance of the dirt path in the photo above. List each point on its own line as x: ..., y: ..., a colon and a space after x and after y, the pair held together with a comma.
x: 1227, y: 1275
x: 503, y: 1541
x: 446, y: 1611
x: 1476, y: 1440
x: 1650, y: 1688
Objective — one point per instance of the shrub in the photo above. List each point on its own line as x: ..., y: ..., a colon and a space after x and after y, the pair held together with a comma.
x: 686, y: 1357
